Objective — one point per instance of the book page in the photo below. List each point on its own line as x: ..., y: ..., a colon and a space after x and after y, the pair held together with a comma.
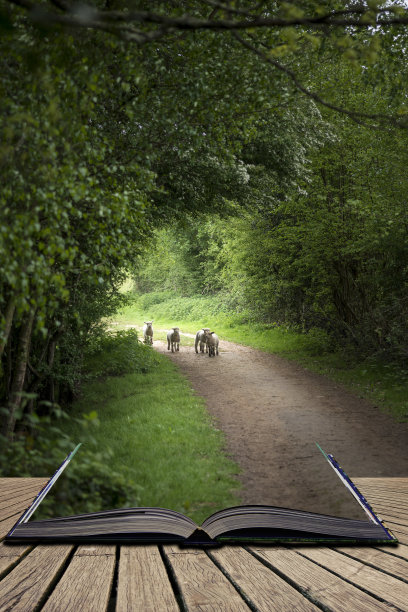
x: 317, y: 488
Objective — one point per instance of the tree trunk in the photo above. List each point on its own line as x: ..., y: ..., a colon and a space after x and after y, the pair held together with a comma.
x: 8, y: 315
x: 40, y: 377
x: 20, y: 368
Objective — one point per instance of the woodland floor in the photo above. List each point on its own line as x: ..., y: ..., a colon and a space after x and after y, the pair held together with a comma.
x: 272, y: 412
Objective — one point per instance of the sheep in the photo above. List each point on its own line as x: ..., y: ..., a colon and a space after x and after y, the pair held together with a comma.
x: 212, y: 343
x: 173, y: 339
x: 201, y: 337
x: 148, y: 332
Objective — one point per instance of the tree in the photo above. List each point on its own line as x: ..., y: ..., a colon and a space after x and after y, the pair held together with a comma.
x: 104, y: 141
x: 277, y: 33
x: 70, y: 220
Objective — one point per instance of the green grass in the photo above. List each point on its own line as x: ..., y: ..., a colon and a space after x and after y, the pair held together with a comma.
x: 162, y: 438
x: 386, y: 385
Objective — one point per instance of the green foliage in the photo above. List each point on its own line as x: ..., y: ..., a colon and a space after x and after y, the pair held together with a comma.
x: 42, y: 441
x: 118, y: 353
x: 147, y: 300
x: 323, y: 246
x: 101, y: 143
x: 87, y: 485
x: 104, y: 143
x: 165, y: 305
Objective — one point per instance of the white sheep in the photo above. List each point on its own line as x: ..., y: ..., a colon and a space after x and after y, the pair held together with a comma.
x: 173, y: 339
x: 212, y: 343
x: 201, y: 337
x: 148, y: 332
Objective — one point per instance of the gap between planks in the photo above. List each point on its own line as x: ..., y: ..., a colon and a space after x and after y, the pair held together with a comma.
x: 325, y: 587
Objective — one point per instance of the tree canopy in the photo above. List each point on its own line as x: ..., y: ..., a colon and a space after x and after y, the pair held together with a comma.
x: 279, y: 34
x: 281, y: 124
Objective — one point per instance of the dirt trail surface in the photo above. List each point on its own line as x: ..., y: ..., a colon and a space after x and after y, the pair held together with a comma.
x: 272, y: 411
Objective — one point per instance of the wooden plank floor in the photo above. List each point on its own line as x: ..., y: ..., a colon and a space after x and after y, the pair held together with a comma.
x: 158, y: 578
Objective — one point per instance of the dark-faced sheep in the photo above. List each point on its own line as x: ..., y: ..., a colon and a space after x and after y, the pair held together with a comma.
x: 173, y: 339
x: 212, y: 343
x: 201, y: 338
x: 148, y: 332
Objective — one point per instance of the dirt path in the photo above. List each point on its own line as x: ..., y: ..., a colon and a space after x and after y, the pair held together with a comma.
x: 272, y: 411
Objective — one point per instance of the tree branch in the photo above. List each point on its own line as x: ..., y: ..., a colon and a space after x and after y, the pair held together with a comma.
x: 355, y: 115
x: 88, y: 16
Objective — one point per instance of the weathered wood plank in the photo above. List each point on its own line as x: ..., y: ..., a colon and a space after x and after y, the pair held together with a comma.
x: 384, y: 513
x: 9, y: 550
x: 378, y: 558
x: 264, y: 588
x: 401, y: 481
x: 383, y: 480
x: 390, y: 589
x: 384, y: 491
x: 6, y: 480
x: 391, y: 501
x: 25, y: 586
x: 9, y: 554
x: 20, y: 499
x: 401, y: 550
x: 394, y: 526
x: 14, y: 485
x: 143, y: 581
x: 12, y: 511
x: 7, y: 524
x: 323, y: 586
x: 385, y: 497
x: 18, y: 489
x: 7, y: 512
x: 203, y: 585
x: 14, y: 498
x: 394, y: 507
x: 401, y: 537
x: 14, y: 502
x: 86, y: 584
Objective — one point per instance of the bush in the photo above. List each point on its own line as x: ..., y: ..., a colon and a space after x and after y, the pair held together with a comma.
x: 147, y: 300
x: 165, y: 305
x: 118, y: 353
x: 87, y: 485
x: 318, y: 341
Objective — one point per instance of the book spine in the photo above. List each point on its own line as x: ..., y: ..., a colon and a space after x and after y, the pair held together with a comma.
x: 40, y: 496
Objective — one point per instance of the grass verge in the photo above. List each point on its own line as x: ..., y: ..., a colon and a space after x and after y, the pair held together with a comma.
x: 384, y: 384
x: 161, y: 438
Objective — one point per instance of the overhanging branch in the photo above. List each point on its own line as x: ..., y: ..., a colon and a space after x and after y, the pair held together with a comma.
x: 359, y: 16
x: 355, y: 115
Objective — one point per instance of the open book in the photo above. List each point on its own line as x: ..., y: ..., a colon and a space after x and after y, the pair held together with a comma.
x: 240, y: 524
